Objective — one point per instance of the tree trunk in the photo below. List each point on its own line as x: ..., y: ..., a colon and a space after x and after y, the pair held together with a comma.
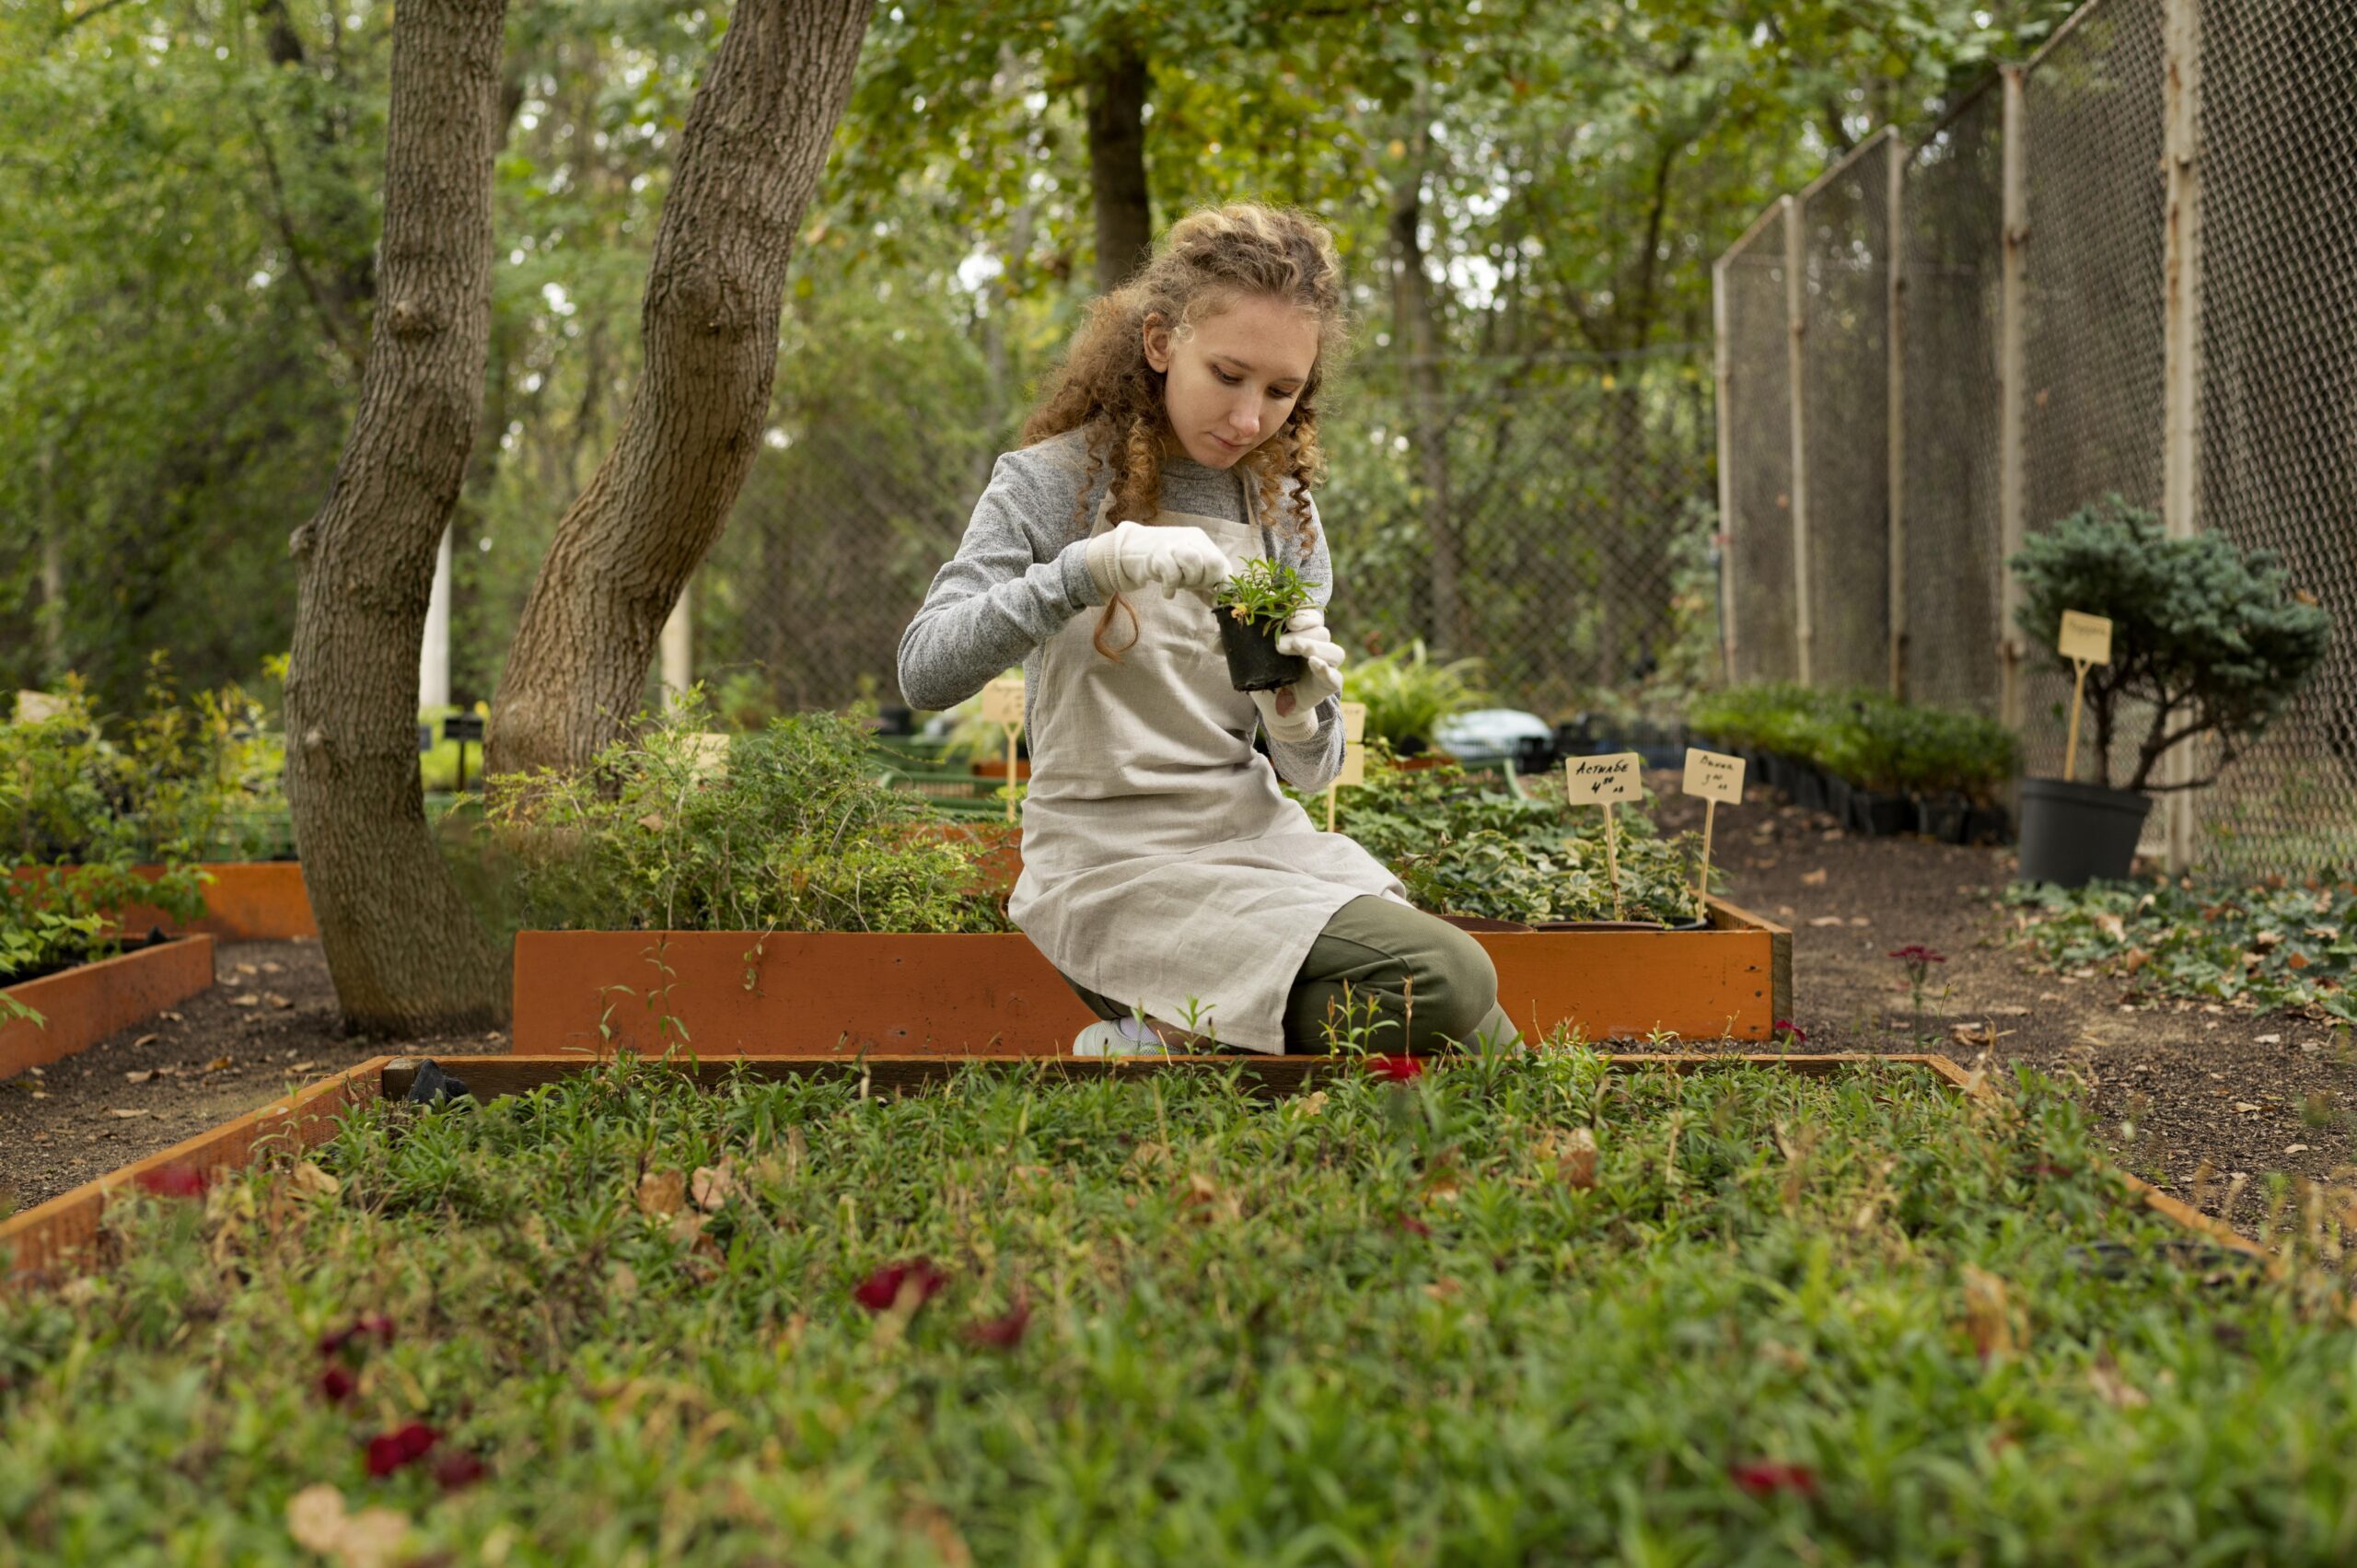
x: 1417, y: 333
x: 405, y: 951
x: 756, y: 138
x: 1117, y: 89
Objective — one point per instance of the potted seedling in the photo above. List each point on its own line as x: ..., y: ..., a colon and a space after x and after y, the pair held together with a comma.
x: 1408, y: 694
x: 2207, y: 642
x: 1253, y: 605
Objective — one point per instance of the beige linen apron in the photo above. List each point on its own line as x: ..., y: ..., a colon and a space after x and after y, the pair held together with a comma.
x: 1162, y: 866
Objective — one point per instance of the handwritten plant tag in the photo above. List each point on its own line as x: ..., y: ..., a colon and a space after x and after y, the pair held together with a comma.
x: 1003, y: 700
x: 2086, y: 637
x: 37, y: 707
x: 1354, y: 766
x: 1353, y: 722
x: 1713, y: 776
x: 1601, y: 781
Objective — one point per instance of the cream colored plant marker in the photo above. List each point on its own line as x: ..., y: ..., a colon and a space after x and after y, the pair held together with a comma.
x: 2085, y: 642
x: 36, y: 707
x: 1715, y: 777
x: 1003, y: 704
x: 1354, y: 756
x: 1605, y: 782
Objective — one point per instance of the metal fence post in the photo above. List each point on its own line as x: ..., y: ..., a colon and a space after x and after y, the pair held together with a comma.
x: 1722, y: 371
x: 2181, y: 350
x: 1895, y: 411
x: 1796, y: 329
x: 2010, y: 400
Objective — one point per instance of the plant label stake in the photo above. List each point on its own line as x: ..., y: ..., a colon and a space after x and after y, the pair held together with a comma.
x: 2085, y: 640
x: 1714, y: 778
x: 1605, y: 782
x: 1003, y: 704
x: 1354, y: 756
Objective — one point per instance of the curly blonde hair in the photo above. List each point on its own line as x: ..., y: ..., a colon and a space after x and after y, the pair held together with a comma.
x: 1209, y: 260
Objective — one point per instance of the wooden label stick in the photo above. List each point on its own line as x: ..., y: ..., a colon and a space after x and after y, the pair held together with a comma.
x: 1003, y: 704
x: 1354, y: 756
x: 1605, y: 781
x: 1714, y: 778
x: 2085, y: 640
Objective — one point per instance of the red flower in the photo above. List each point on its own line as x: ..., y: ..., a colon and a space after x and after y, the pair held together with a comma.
x: 374, y: 1323
x: 1765, y: 1478
x: 1916, y: 953
x: 882, y: 1290
x: 176, y: 1181
x: 394, y: 1450
x: 1410, y: 1224
x: 1001, y: 1334
x: 458, y: 1469
x: 1396, y: 1069
x: 336, y: 1385
x: 1790, y: 1030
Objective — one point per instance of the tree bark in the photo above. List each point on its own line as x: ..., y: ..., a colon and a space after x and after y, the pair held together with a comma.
x: 1117, y: 92
x: 1417, y: 334
x: 756, y: 139
x: 406, y: 953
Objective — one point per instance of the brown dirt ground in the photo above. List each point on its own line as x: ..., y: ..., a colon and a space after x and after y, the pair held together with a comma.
x: 269, y: 1023
x: 2175, y: 1086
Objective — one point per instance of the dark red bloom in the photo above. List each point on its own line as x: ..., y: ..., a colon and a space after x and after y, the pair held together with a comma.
x: 176, y: 1181
x: 1916, y: 953
x: 881, y: 1291
x: 1396, y: 1069
x: 375, y: 1324
x: 1410, y: 1224
x: 394, y: 1450
x: 1790, y: 1030
x: 1765, y: 1478
x: 336, y: 1385
x: 1001, y: 1334
x: 458, y: 1469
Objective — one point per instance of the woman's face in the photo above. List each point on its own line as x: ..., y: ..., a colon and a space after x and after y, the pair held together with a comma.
x: 1232, y: 382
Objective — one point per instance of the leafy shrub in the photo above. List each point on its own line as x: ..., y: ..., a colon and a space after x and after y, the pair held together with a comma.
x: 790, y: 829
x: 52, y: 919
x: 1407, y: 695
x: 2206, y: 633
x: 1865, y: 736
x: 1459, y: 848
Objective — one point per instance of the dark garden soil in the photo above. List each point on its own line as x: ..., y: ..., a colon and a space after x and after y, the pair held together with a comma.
x: 2175, y: 1086
x: 268, y: 1022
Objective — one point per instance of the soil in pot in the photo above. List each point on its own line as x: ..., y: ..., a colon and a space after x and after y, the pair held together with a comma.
x: 1253, y: 662
x: 1618, y: 925
x: 2073, y: 834
x: 1482, y: 922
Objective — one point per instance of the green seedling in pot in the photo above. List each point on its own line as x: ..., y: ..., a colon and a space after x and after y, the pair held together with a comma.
x: 1253, y: 605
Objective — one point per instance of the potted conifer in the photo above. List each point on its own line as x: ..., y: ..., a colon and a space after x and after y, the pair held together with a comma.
x: 2208, y: 641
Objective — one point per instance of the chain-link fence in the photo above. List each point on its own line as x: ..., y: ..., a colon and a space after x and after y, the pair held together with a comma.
x: 1579, y: 492
x: 2129, y: 267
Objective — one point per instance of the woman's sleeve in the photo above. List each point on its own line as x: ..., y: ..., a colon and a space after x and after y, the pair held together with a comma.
x: 1013, y: 582
x: 1310, y: 765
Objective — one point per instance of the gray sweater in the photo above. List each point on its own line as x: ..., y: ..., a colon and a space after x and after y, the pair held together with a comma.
x: 1021, y: 572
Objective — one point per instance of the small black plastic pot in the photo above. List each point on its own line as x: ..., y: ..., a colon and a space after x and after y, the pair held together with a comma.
x: 1776, y: 770
x: 2072, y: 833
x: 1838, y: 791
x: 1807, y: 787
x: 1253, y: 662
x: 1880, y: 816
x: 1988, y: 825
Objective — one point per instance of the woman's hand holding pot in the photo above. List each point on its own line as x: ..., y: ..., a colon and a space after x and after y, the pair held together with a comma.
x: 1290, y: 712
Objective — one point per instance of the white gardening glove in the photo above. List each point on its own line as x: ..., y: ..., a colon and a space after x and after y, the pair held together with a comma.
x: 1129, y: 558
x: 1290, y: 712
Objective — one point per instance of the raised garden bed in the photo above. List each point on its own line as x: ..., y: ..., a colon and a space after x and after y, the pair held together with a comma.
x: 82, y: 1006
x: 244, y: 902
x: 825, y: 993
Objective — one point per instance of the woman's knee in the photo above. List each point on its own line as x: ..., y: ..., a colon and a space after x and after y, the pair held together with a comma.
x: 1456, y: 986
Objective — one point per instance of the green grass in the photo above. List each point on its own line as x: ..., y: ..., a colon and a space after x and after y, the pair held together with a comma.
x: 1768, y: 1321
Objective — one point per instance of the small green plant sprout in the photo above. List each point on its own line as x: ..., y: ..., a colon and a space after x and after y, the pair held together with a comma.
x: 1918, y: 960
x: 2207, y: 638
x: 1264, y: 593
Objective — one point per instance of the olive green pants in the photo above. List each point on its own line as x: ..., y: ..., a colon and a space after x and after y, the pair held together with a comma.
x: 1409, y: 981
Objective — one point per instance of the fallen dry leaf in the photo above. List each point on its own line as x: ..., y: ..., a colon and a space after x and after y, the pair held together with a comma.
x: 2007, y: 1011
x: 2114, y: 1390
x: 1813, y: 879
x: 140, y: 1077
x: 126, y: 1113
x: 269, y: 968
x: 1575, y: 1160
x: 218, y: 1063
x: 711, y: 1186
x: 2295, y: 1148
x: 1303, y: 1107
x: 2246, y: 1106
x: 661, y: 1192
x: 247, y: 969
x: 175, y: 1018
x: 246, y: 999
x: 275, y: 1000
x: 1828, y: 920
x: 144, y: 1040
x: 1987, y: 1313
x: 312, y: 1183
x: 371, y: 1539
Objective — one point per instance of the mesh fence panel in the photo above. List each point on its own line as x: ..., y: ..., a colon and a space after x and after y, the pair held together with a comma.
x: 1950, y: 218
x: 2278, y: 408
x: 2092, y: 327
x: 1845, y: 393
x: 1759, y: 412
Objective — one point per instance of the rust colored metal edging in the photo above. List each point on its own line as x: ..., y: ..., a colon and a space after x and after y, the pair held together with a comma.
x: 82, y: 1006
x: 245, y: 901
x: 38, y: 1244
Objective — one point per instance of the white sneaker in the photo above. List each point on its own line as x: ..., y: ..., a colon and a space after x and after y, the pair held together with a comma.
x: 1127, y: 1038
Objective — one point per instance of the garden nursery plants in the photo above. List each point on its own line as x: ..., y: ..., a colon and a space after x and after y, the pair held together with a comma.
x: 1252, y: 607
x: 1484, y: 1310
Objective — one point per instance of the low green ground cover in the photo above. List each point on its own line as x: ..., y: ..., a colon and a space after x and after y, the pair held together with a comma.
x: 2273, y: 943
x: 1500, y: 1310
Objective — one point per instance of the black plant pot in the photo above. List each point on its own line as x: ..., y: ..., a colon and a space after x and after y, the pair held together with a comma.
x: 1943, y: 817
x: 1881, y: 816
x: 2072, y: 833
x: 1988, y: 825
x: 1838, y: 791
x: 1807, y: 787
x: 1253, y: 662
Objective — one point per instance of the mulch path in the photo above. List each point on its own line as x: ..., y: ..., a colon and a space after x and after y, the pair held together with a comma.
x: 269, y: 1024
x: 2175, y: 1086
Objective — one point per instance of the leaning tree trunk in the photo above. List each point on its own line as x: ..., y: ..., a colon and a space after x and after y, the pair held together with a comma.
x: 1117, y: 91
x: 405, y: 951
x: 755, y: 142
